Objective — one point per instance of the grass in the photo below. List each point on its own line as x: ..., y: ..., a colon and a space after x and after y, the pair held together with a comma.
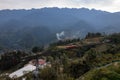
x: 111, y: 72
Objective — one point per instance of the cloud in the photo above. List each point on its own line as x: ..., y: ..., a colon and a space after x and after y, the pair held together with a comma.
x: 107, y: 5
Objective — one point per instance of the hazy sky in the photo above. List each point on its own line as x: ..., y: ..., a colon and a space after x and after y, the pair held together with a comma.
x: 107, y: 5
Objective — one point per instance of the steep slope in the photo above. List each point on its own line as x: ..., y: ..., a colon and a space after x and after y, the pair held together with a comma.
x: 75, y: 22
x: 108, y: 72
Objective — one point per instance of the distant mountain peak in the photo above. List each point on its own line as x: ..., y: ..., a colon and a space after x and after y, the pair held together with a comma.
x: 39, y: 26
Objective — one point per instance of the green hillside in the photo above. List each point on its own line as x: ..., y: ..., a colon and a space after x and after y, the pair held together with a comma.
x: 97, y: 57
x: 108, y: 72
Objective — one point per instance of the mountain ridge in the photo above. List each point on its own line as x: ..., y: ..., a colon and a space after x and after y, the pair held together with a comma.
x: 15, y: 24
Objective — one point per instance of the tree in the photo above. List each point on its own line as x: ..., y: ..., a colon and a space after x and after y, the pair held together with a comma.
x: 37, y: 49
x: 48, y: 74
x: 77, y: 69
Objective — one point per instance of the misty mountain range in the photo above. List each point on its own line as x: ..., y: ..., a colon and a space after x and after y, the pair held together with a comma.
x: 35, y: 27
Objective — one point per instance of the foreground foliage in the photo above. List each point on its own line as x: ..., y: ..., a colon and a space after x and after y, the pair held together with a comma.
x: 95, y: 58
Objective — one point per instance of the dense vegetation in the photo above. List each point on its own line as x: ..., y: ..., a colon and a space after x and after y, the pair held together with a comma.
x: 97, y: 57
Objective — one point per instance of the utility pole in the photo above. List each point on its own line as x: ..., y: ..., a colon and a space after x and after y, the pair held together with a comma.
x: 36, y: 71
x: 37, y: 68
